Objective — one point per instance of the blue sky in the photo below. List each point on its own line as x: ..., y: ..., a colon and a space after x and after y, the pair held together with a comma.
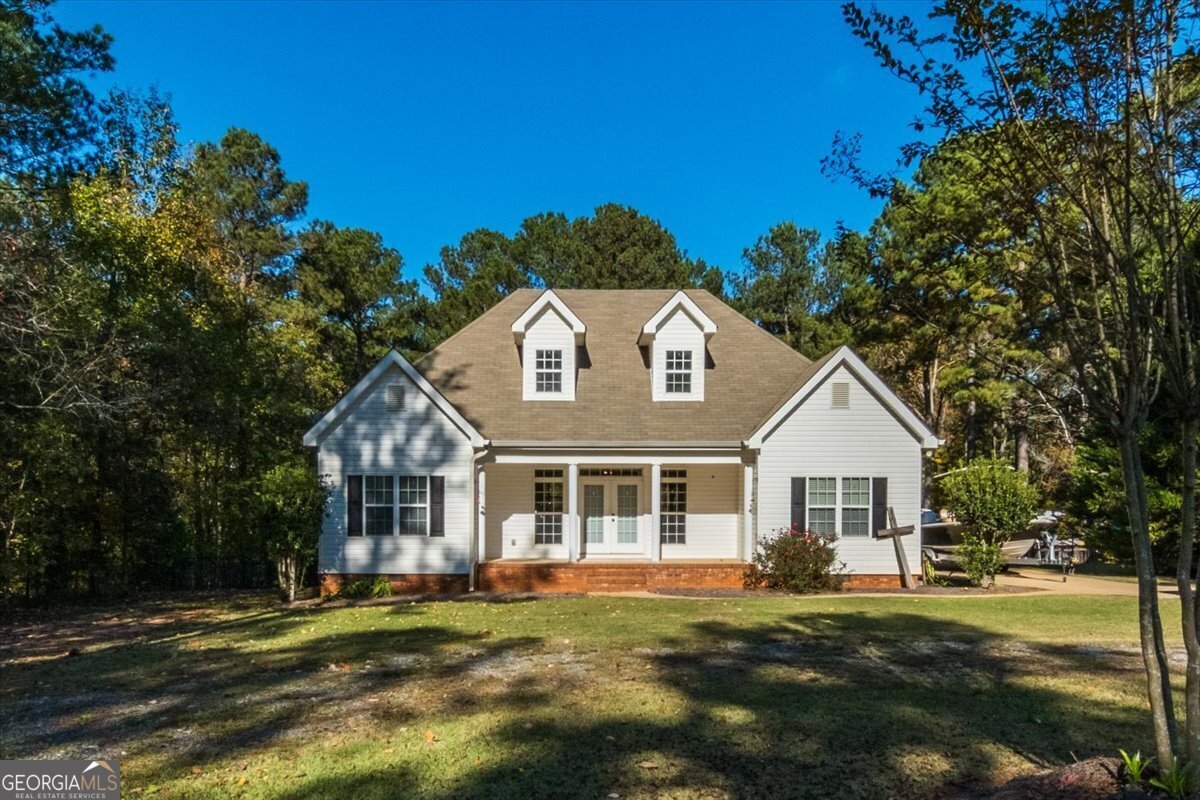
x: 424, y: 121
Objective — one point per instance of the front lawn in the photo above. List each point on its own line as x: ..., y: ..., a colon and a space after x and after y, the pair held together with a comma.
x: 858, y: 696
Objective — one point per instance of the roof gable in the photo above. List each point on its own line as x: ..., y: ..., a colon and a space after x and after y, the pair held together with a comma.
x: 351, y: 398
x: 548, y: 300
x: 678, y: 302
x: 816, y: 375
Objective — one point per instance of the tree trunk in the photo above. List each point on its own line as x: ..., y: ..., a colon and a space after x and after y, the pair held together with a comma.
x: 1154, y: 654
x: 1021, y: 435
x: 1187, y: 590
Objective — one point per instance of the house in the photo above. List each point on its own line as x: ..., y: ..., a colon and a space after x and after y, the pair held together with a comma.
x: 589, y: 440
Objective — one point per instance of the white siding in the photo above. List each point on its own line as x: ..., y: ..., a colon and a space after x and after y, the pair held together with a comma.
x: 508, y: 510
x: 865, y: 440
x: 548, y: 332
x: 712, y: 518
x: 419, y: 440
x: 678, y: 332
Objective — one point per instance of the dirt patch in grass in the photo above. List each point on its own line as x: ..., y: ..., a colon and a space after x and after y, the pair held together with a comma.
x: 1093, y: 779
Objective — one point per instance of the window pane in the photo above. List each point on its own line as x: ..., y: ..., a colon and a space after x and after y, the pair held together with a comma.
x: 549, y: 382
x: 822, y: 520
x: 856, y: 491
x: 674, y: 497
x: 674, y: 528
x: 680, y: 360
x: 855, y: 522
x: 412, y: 520
x: 547, y: 528
x: 379, y: 520
x: 548, y: 496
x: 679, y: 382
x: 822, y: 491
x: 413, y: 490
x: 377, y: 490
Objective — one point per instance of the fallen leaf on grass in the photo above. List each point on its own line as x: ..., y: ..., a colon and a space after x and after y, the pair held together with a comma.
x: 647, y: 765
x: 241, y: 781
x: 430, y: 737
x: 196, y: 770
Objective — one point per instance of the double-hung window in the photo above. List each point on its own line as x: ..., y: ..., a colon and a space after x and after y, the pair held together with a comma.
x: 414, y: 505
x: 673, y: 506
x: 548, y: 371
x: 377, y: 503
x: 856, y: 506
x: 844, y: 509
x: 548, y: 506
x: 822, y: 505
x: 679, y: 372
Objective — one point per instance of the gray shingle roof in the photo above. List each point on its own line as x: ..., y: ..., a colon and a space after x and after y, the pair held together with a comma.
x: 750, y: 374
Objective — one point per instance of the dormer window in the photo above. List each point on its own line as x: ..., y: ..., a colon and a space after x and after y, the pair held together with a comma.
x: 677, y: 340
x: 548, y: 336
x: 549, y: 377
x: 679, y: 372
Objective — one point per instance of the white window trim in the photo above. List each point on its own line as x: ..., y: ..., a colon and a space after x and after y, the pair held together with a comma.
x: 662, y: 482
x: 839, y: 503
x: 365, y: 505
x: 425, y: 505
x: 690, y: 357
x: 560, y: 479
x: 557, y: 354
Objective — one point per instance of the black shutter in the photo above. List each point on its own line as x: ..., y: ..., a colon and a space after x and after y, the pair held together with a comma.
x: 437, y: 505
x: 879, y: 505
x: 799, y: 503
x: 354, y: 505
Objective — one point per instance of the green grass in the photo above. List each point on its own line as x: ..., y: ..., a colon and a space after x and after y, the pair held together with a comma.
x: 859, y: 696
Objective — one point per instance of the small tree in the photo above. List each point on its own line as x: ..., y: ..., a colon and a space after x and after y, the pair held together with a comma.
x: 994, y: 503
x: 291, y: 504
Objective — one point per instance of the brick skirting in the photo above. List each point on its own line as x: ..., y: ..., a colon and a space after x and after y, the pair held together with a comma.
x: 442, y: 583
x: 500, y: 576
x: 551, y: 578
x: 875, y: 582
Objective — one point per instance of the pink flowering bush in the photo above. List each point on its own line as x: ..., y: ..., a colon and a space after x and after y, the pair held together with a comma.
x: 797, y: 561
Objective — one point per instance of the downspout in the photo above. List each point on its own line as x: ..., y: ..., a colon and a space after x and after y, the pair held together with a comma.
x: 473, y: 554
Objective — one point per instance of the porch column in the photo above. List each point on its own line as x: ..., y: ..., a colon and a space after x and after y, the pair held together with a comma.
x: 747, y: 512
x: 573, y: 512
x: 480, y: 520
x: 656, y: 512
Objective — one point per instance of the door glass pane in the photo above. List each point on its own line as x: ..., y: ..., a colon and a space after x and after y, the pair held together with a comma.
x: 627, y: 514
x: 593, y: 513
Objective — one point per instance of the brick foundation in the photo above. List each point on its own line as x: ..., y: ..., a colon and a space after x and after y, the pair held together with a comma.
x: 402, y: 584
x: 552, y: 578
x: 500, y: 576
x: 875, y: 582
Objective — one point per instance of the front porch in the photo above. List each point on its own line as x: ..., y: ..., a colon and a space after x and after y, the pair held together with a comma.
x: 627, y: 519
x: 599, y: 575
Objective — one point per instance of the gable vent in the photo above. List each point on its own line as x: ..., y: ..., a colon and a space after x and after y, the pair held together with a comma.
x: 841, y: 395
x: 395, y: 397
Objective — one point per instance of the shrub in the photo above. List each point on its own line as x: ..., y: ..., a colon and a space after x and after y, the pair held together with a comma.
x: 366, y: 588
x: 994, y: 503
x: 797, y: 561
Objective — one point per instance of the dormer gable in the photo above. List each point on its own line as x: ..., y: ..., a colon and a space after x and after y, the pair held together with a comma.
x: 548, y: 333
x: 676, y: 337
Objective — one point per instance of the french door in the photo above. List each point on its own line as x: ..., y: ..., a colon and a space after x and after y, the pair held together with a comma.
x: 611, y: 517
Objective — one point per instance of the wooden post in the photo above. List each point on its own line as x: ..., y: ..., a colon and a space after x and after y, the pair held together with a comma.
x: 901, y: 557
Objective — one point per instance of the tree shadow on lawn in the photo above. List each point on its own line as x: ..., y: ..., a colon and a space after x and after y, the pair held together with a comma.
x: 206, y: 703
x: 814, y: 705
x: 810, y: 705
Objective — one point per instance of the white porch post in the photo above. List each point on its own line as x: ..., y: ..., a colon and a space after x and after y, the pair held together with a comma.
x: 655, y: 512
x: 747, y: 512
x: 480, y: 520
x: 573, y: 512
